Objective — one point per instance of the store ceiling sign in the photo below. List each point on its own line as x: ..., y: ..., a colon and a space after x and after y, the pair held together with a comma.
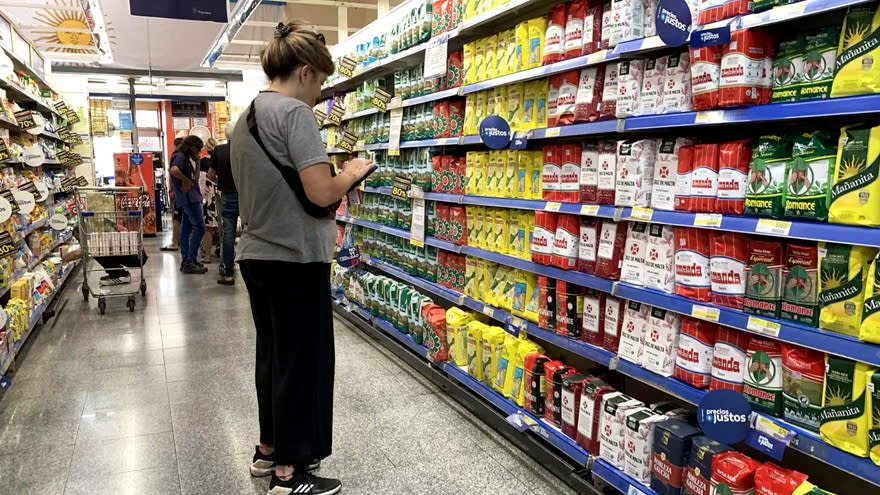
x: 190, y: 10
x: 191, y: 109
x: 495, y: 132
x: 673, y: 22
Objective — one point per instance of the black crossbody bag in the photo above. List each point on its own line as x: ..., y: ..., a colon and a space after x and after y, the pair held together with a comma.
x: 291, y: 175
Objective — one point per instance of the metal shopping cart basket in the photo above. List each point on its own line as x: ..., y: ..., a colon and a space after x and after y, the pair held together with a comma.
x: 111, y: 228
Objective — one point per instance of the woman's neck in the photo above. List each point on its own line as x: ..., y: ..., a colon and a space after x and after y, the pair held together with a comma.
x: 286, y: 88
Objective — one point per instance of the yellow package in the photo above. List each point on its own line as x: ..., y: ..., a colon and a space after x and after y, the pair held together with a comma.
x: 807, y: 488
x: 491, y: 170
x: 489, y: 56
x: 499, y: 233
x: 456, y: 335
x: 470, y: 160
x: 529, y: 114
x: 474, y: 349
x: 493, y: 341
x: 501, y: 55
x: 467, y: 63
x: 490, y: 270
x: 509, y: 288
x: 516, y: 374
x: 842, y: 273
x: 475, y: 236
x: 522, y: 46
x: 489, y: 229
x: 873, y: 405
x: 855, y: 189
x: 537, y: 30
x: 510, y: 55
x: 480, y: 60
x: 500, y: 95
x: 514, y: 241
x: 468, y: 127
x: 501, y: 164
x: 470, y: 276
x: 499, y: 282
x: 506, y: 355
x: 533, y: 299
x: 508, y: 185
x: 858, y: 54
x: 480, y: 166
x: 522, y: 168
x: 542, y: 92
x: 479, y: 109
x: 520, y: 293
x: 470, y: 9
x: 536, y: 171
x: 846, y: 416
x: 514, y: 107
x: 482, y: 269
x: 869, y: 330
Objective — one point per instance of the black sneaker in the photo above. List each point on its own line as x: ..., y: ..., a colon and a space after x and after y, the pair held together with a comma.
x: 304, y: 484
x: 194, y: 268
x: 264, y: 465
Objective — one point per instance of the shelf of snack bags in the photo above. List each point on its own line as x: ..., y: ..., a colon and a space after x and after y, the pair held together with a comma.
x: 448, y: 246
x: 787, y: 12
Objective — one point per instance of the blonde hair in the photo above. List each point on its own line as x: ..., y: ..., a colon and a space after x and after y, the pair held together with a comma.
x: 210, y: 144
x: 294, y: 46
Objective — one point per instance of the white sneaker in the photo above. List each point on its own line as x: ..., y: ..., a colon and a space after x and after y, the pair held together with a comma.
x: 108, y: 281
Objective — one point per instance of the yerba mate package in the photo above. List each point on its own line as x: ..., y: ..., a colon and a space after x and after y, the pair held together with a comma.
x: 846, y: 414
x: 842, y: 273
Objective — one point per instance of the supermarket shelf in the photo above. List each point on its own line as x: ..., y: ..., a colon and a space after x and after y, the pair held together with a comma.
x: 793, y: 12
x: 542, y: 71
x: 437, y: 95
x: 31, y: 228
x: 619, y: 480
x: 18, y: 93
x: 427, y: 142
x: 403, y: 338
x: 46, y: 252
x: 404, y: 234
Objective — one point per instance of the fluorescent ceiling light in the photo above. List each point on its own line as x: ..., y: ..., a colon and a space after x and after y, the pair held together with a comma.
x: 243, y: 10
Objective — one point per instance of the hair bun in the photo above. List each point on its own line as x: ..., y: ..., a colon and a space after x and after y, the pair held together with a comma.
x: 282, y: 30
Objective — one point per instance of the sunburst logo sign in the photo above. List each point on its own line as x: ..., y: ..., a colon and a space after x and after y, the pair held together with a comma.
x: 66, y: 28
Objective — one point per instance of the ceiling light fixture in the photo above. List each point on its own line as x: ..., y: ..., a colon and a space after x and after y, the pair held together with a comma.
x: 95, y: 18
x: 243, y: 10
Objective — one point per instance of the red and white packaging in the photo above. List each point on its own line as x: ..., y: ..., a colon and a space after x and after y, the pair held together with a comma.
x: 650, y: 8
x: 733, y: 8
x: 565, y: 244
x: 635, y: 172
x: 607, y: 22
x: 660, y: 258
x: 632, y: 270
x: 554, y: 36
x: 572, y: 387
x: 613, y: 323
x: 629, y: 86
x: 589, y: 94
x: 627, y: 21
x: 734, y: 470
x: 554, y: 373
x: 553, y: 84
x: 615, y: 407
x: 728, y: 254
x: 769, y: 56
x: 593, y: 321
x: 696, y: 345
x: 729, y: 359
x: 771, y: 479
x: 661, y: 342
x: 570, y: 168
x: 543, y: 237
x: 608, y: 107
x: 698, y: 184
x: 609, y: 255
x: 692, y: 277
x: 551, y: 177
x: 607, y: 181
x: 666, y: 173
x: 710, y: 11
x: 589, y: 180
x: 589, y: 414
x: 639, y: 438
x: 706, y: 76
x: 733, y: 172
x: 574, y: 28
x: 651, y: 100
x: 677, y: 94
x: 592, y: 37
x: 632, y: 334
x: 567, y: 97
x: 743, y: 72
x: 589, y: 240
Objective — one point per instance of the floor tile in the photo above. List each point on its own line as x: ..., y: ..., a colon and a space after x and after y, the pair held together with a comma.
x: 97, y: 457
x: 165, y: 481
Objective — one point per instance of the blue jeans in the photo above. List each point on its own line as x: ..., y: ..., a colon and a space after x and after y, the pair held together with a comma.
x: 192, y: 229
x: 229, y: 216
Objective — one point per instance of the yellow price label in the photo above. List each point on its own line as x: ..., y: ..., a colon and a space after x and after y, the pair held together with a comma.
x: 552, y: 206
x: 398, y: 192
x: 773, y: 227
x: 597, y: 57
x: 551, y: 132
x: 705, y: 313
x: 640, y: 213
x: 709, y: 117
x: 590, y: 210
x: 393, y: 152
x: 489, y: 311
x: 770, y: 427
x: 708, y: 220
x: 417, y: 243
x: 345, y: 145
x: 764, y: 327
x: 6, y: 249
x: 336, y: 119
x: 345, y: 71
x: 379, y: 103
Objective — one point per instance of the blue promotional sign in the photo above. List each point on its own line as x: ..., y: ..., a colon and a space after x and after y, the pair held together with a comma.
x: 495, y: 132
x: 348, y: 257
x: 5, y: 383
x: 724, y: 416
x: 768, y: 444
x: 519, y: 141
x: 673, y: 22
x: 125, y: 121
x: 136, y: 159
x: 710, y: 37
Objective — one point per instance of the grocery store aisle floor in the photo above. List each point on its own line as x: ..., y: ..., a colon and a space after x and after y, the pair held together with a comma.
x: 161, y: 401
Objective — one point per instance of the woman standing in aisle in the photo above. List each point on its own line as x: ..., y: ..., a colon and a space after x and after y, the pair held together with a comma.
x: 188, y: 198
x: 208, y: 194
x: 287, y: 195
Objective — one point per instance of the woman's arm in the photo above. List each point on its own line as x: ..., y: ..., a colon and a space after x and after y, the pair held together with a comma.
x: 323, y: 189
x: 177, y: 173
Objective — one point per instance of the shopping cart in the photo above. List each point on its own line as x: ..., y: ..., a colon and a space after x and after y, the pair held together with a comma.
x: 111, y: 232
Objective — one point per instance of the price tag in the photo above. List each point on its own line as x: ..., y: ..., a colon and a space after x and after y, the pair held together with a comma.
x: 705, y: 313
x: 417, y: 225
x: 709, y: 117
x: 708, y: 220
x: 597, y: 57
x: 10, y: 198
x: 380, y: 100
x: 396, y: 102
x: 320, y: 117
x: 435, y: 57
x: 394, y: 132
x: 347, y: 141
x: 552, y: 206
x: 58, y: 222
x: 520, y: 141
x: 28, y: 186
x: 27, y: 120
x: 335, y: 116
x: 61, y: 107
x: 67, y: 184
x: 4, y: 152
x: 768, y: 436
x: 642, y: 214
x: 521, y: 422
x: 71, y: 116
x: 42, y: 192
x: 7, y: 244
x: 489, y: 311
x: 633, y: 490
x: 773, y: 227
x: 590, y: 210
x: 400, y: 188
x: 82, y: 181
x: 764, y: 327
x: 551, y: 132
x: 346, y: 67
x: 785, y: 12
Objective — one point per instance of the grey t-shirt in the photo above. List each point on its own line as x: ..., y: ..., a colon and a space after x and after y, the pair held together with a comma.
x: 276, y: 227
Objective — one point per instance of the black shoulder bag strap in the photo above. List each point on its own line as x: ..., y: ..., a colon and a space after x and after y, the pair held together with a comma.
x: 290, y: 174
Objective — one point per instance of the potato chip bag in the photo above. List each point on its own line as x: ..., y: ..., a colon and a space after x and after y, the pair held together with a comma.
x: 855, y: 190
x: 842, y: 273
x: 456, y: 335
x: 475, y: 349
x: 857, y: 70
x: 490, y: 352
x: 846, y: 413
x: 537, y: 32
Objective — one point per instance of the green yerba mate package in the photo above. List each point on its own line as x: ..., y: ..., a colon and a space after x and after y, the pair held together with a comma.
x: 809, y: 176
x: 788, y: 68
x: 765, y: 191
x: 820, y: 55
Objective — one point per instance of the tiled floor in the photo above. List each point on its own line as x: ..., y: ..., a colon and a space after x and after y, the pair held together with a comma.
x: 161, y: 401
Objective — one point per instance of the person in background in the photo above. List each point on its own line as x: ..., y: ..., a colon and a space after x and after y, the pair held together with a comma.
x: 176, y: 213
x: 188, y: 197
x: 285, y: 254
x: 221, y: 174
x: 207, y: 187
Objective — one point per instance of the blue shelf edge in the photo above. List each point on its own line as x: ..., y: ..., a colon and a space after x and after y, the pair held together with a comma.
x: 618, y: 479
